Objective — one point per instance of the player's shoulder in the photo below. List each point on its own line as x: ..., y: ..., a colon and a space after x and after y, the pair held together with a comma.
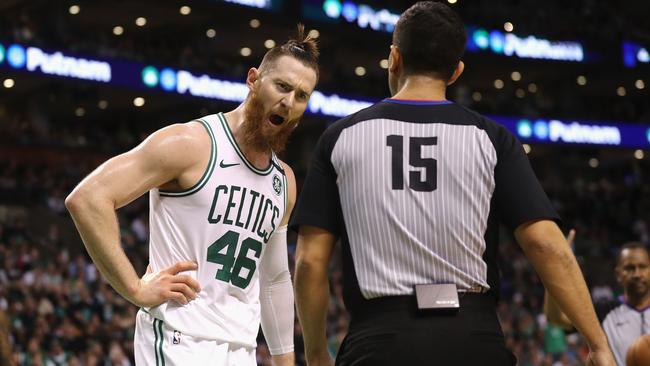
x: 184, y: 132
x: 291, y: 179
x: 286, y: 169
x: 179, y: 141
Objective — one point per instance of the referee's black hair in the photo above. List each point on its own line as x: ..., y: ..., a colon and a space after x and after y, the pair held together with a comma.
x: 431, y: 38
x: 631, y: 245
x: 303, y: 48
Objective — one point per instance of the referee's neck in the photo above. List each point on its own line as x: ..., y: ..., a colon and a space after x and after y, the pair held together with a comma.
x: 421, y: 87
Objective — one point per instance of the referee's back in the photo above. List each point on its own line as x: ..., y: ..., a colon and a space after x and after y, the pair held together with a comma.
x: 416, y: 190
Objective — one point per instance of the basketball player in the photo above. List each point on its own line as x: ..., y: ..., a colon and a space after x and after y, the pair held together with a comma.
x: 626, y: 318
x: 220, y: 200
x: 414, y: 187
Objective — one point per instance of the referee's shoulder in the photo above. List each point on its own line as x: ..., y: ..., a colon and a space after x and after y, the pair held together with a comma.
x: 333, y: 131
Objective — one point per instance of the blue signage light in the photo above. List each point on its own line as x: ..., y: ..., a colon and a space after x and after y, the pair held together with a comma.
x: 540, y: 129
x: 523, y: 128
x: 497, y: 42
x: 16, y: 56
x: 634, y: 53
x: 332, y: 8
x: 150, y: 76
x: 2, y: 53
x: 168, y: 79
x: 350, y: 11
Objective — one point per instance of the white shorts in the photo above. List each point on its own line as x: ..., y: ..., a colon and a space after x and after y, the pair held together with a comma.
x: 157, y: 344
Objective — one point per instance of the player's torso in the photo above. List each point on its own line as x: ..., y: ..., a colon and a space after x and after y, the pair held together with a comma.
x: 223, y: 223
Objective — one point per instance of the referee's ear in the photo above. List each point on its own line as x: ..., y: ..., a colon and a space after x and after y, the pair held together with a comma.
x: 459, y: 70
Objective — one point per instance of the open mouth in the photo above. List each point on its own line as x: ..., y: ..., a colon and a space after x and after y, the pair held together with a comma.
x: 276, y: 119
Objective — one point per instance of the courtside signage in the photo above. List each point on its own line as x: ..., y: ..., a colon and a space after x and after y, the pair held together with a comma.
x: 34, y: 59
x: 260, y: 4
x: 364, y: 16
x: 185, y: 82
x: 578, y: 132
x: 509, y: 44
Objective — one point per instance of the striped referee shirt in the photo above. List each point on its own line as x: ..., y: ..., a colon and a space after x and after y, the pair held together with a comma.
x: 623, y: 324
x: 416, y: 190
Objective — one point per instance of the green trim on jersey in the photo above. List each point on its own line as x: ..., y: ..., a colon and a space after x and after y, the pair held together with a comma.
x: 162, y: 338
x: 155, y: 341
x: 286, y: 192
x: 208, y: 170
x: 284, y: 179
x: 250, y: 166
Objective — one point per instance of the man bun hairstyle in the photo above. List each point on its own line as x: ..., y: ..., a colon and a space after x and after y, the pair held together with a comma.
x: 303, y: 48
x: 431, y: 39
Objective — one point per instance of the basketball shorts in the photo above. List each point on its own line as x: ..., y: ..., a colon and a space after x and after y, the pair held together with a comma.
x: 392, y: 331
x: 157, y: 344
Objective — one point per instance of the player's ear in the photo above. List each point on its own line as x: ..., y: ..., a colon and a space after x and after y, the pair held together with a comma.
x: 252, y: 76
x: 459, y: 70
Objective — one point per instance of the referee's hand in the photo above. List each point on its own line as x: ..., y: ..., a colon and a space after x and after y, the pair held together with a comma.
x: 154, y: 288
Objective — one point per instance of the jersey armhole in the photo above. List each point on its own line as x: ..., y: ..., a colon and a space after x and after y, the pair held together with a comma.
x: 208, y: 170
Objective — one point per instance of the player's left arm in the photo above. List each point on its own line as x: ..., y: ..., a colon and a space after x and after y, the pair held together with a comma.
x: 276, y: 290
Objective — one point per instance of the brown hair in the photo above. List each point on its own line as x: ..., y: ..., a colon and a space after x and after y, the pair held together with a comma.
x: 302, y: 48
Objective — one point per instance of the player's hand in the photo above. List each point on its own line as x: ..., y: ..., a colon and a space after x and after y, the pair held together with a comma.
x: 601, y: 358
x: 154, y: 288
x: 320, y: 359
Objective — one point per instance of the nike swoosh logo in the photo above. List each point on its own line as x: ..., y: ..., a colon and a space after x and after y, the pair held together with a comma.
x: 222, y: 165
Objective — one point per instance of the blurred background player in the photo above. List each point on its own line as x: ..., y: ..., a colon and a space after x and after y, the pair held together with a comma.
x: 220, y: 200
x: 626, y: 318
x: 415, y: 187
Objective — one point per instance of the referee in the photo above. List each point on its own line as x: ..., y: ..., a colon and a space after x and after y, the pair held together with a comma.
x: 627, y: 317
x: 415, y: 187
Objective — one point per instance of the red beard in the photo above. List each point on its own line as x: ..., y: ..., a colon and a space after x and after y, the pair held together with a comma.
x: 258, y: 133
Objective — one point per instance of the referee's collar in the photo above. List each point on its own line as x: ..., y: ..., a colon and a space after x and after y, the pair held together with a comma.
x: 417, y: 102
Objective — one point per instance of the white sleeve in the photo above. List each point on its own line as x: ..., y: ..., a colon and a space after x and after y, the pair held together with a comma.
x: 276, y: 294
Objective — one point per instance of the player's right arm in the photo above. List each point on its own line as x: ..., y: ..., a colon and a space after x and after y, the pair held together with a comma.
x: 166, y: 158
x: 548, y: 251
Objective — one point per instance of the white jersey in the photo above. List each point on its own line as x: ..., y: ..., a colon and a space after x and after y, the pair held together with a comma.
x: 223, y: 223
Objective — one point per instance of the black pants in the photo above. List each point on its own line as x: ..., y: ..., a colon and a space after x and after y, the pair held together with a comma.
x: 392, y: 331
